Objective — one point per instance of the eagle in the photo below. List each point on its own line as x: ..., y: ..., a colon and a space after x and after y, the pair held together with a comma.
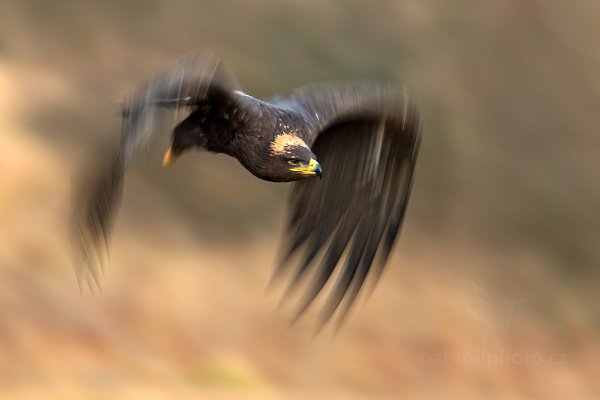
x: 360, y: 138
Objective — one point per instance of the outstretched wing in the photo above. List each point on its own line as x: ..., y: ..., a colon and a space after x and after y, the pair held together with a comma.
x: 366, y: 138
x: 191, y: 81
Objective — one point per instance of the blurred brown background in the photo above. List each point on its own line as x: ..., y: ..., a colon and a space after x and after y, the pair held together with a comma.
x: 492, y: 290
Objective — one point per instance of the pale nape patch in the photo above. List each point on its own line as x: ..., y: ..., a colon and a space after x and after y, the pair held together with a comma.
x: 284, y: 140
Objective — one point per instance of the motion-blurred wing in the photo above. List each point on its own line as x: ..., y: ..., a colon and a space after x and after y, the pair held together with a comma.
x: 366, y: 139
x: 191, y: 81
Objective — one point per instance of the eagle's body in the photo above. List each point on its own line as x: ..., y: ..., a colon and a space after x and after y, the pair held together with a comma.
x: 365, y: 135
x: 247, y: 131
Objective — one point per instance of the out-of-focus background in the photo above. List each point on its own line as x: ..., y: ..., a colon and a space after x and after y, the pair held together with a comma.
x: 492, y: 290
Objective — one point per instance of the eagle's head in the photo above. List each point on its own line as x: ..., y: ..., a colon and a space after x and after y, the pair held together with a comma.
x: 289, y: 159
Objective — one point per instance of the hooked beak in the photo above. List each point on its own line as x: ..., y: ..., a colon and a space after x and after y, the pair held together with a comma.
x: 313, y: 168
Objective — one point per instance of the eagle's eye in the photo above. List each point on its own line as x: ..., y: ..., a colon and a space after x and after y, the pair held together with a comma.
x: 294, y: 162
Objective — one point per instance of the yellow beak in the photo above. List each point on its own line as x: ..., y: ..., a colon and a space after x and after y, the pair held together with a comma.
x: 313, y: 168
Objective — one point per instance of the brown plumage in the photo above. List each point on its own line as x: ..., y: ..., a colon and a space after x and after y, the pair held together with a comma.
x: 364, y: 134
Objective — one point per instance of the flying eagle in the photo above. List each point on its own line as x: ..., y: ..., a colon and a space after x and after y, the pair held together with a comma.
x: 360, y: 137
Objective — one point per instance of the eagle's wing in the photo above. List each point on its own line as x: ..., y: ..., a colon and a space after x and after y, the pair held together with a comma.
x: 191, y: 81
x: 366, y: 136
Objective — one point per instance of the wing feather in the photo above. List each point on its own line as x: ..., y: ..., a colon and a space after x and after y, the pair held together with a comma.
x: 190, y: 81
x: 366, y: 137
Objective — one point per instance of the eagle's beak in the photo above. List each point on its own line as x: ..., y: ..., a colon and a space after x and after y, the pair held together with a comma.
x: 168, y: 158
x: 313, y: 168
x: 316, y: 168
